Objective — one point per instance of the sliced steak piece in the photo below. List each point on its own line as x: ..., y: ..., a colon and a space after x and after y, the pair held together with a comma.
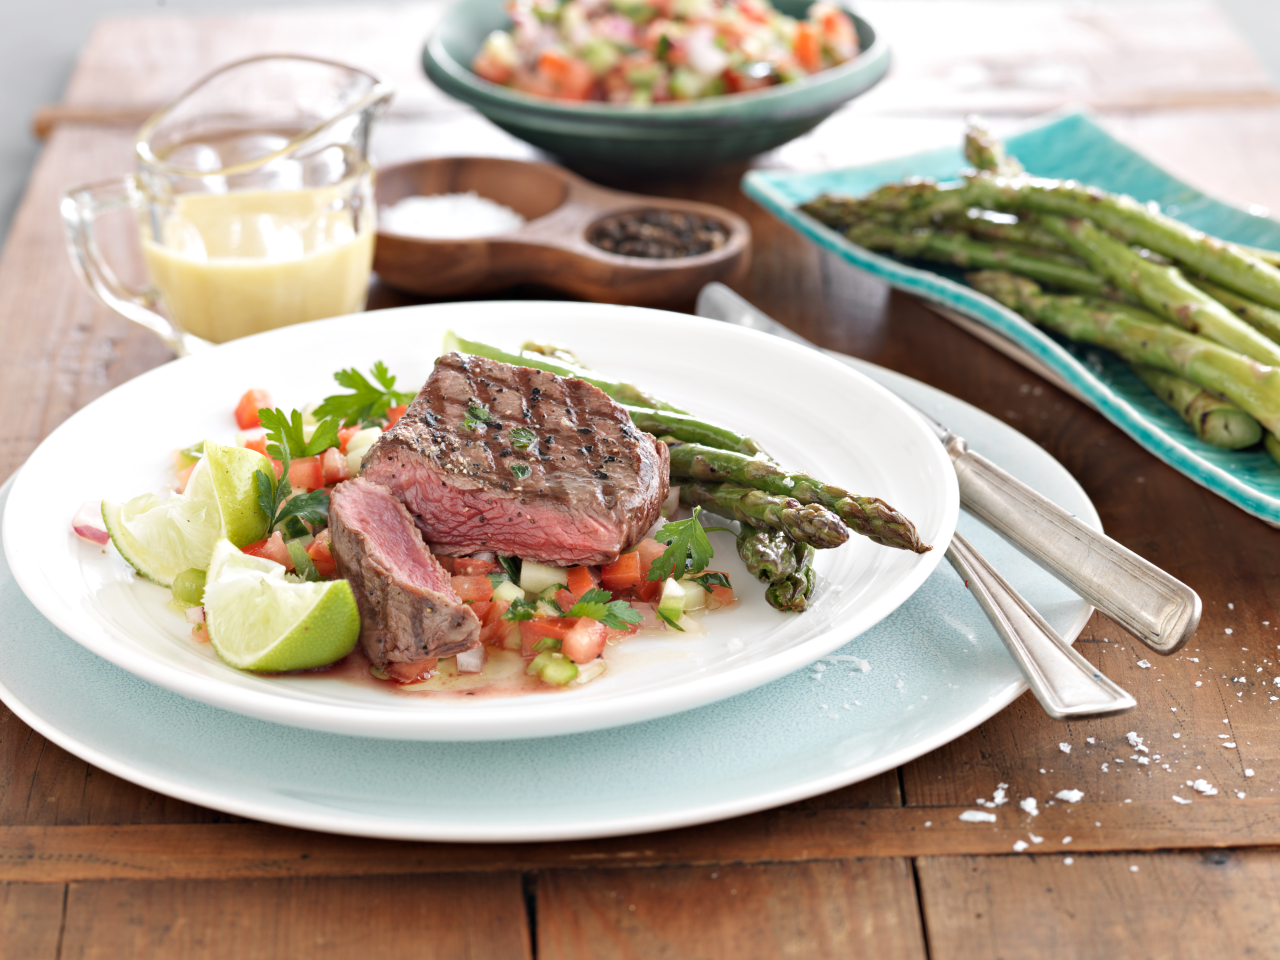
x: 409, y: 611
x: 588, y: 487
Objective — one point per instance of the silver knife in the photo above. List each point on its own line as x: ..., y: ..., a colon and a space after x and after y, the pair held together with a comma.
x: 1157, y: 608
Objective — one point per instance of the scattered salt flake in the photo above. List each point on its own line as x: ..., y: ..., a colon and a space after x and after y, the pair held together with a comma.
x: 1068, y: 860
x: 1064, y: 747
x: 900, y: 684
x: 1035, y: 839
x: 1135, y: 741
x: 928, y: 823
x: 857, y: 662
x: 1144, y: 760
x: 1229, y: 744
x: 1240, y: 794
x: 1248, y: 771
x: 1231, y: 606
x: 1174, y: 709
x: 1104, y: 768
x: 1071, y: 796
x: 1066, y: 840
x: 1205, y: 787
x: 1029, y: 805
x: 1178, y: 799
x: 999, y: 798
x: 1144, y: 664
x: 1197, y: 683
x: 1090, y: 740
x: 1177, y: 736
x: 1020, y: 845
x: 1133, y: 868
x: 977, y: 816
x: 1194, y: 659
x: 1227, y: 631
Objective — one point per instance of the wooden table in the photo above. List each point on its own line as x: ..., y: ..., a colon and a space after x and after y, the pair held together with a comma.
x: 93, y: 866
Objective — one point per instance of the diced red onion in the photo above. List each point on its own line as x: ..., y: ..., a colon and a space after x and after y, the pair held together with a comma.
x: 194, y: 614
x: 472, y: 661
x: 87, y: 523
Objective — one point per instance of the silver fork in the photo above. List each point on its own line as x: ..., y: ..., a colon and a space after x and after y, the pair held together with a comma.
x: 1066, y: 684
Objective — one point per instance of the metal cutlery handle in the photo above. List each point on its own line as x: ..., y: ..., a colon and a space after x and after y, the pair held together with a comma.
x: 1065, y: 683
x: 1158, y: 609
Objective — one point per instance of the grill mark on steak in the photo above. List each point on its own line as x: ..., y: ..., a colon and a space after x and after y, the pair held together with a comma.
x: 558, y: 500
x: 409, y: 611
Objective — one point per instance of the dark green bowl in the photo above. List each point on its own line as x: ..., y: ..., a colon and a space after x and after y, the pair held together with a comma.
x: 667, y: 136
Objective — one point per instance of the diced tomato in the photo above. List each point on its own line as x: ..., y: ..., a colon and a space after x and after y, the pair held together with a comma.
x: 565, y: 599
x: 257, y: 443
x: 740, y: 81
x: 481, y: 608
x: 334, y: 467
x: 446, y: 562
x: 394, y: 414
x: 722, y: 595
x: 531, y: 631
x: 838, y: 32
x: 807, y: 47
x: 322, y: 557
x: 345, y: 434
x: 649, y: 550
x: 584, y: 641
x: 273, y: 548
x: 622, y: 574
x: 581, y: 579
x: 471, y: 567
x: 495, y: 629
x: 648, y: 590
x: 180, y: 483
x: 535, y: 83
x: 412, y: 672
x: 472, y: 588
x: 570, y: 76
x: 306, y: 472
x: 248, y: 407
x: 254, y: 549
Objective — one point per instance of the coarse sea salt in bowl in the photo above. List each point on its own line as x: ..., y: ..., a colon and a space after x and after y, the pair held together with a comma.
x: 459, y: 226
x: 605, y: 138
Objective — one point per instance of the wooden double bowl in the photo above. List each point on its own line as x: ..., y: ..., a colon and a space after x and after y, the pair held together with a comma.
x: 552, y: 247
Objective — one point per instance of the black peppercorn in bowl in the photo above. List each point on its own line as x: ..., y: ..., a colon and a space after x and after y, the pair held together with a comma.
x: 577, y: 237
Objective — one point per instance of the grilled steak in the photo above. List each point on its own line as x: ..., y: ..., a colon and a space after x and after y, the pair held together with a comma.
x: 409, y: 611
x: 577, y: 485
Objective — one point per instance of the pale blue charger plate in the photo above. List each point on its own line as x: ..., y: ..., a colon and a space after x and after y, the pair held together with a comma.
x: 937, y: 671
x: 1068, y: 147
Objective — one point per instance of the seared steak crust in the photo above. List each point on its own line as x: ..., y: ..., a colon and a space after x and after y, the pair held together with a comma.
x: 586, y: 489
x: 409, y: 611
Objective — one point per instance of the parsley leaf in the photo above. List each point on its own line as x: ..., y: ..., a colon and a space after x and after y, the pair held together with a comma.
x: 522, y: 438
x: 520, y: 470
x: 595, y: 604
x: 369, y: 402
x: 497, y: 577
x: 312, y: 507
x: 324, y: 437
x: 521, y: 610
x: 274, y: 495
x: 670, y: 622
x: 287, y: 431
x: 709, y: 579
x: 664, y: 47
x: 689, y: 549
x: 511, y: 565
x: 477, y: 415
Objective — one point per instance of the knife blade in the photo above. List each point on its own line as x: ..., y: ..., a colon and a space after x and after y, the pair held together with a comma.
x: 1154, y: 606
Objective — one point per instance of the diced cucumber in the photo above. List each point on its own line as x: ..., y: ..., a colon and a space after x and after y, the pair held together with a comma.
x: 359, y: 445
x: 553, y: 668
x: 695, y: 598
x: 601, y: 55
x: 507, y: 590
x: 672, y: 603
x: 536, y: 577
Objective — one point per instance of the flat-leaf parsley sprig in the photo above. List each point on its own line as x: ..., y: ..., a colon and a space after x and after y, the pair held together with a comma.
x: 285, y: 436
x: 689, y: 550
x: 369, y: 404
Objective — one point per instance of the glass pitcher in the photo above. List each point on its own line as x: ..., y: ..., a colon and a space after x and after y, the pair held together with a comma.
x: 254, y: 203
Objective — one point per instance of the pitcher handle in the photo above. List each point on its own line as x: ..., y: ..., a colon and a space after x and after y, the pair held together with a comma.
x: 79, y: 208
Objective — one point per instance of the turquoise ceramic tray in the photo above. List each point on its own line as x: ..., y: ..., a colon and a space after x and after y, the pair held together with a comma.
x: 1071, y: 146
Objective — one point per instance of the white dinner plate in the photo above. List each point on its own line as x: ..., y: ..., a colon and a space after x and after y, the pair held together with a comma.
x: 810, y: 411
x: 935, y: 669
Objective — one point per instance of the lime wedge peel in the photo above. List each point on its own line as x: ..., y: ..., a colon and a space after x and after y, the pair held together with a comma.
x: 261, y: 619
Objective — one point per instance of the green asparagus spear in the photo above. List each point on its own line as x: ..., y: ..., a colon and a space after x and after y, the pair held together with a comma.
x: 808, y: 523
x: 622, y: 392
x: 767, y: 554
x: 868, y: 516
x: 1271, y: 443
x: 1023, y: 231
x: 964, y: 251
x: 1263, y: 319
x: 1261, y: 253
x: 1248, y: 384
x: 1213, y: 419
x: 987, y: 153
x: 1163, y: 289
x: 1135, y: 223
x: 791, y: 593
x: 691, y: 430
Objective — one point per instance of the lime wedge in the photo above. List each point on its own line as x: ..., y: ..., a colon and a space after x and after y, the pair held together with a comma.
x: 230, y: 477
x: 163, y: 538
x: 261, y: 619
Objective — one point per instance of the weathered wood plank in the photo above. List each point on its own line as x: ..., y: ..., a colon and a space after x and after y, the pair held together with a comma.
x: 810, y: 910
x: 1171, y: 906
x: 222, y: 851
x: 31, y: 920
x: 472, y: 917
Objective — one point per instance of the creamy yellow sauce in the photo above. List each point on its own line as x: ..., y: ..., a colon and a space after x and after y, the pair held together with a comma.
x: 228, y: 265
